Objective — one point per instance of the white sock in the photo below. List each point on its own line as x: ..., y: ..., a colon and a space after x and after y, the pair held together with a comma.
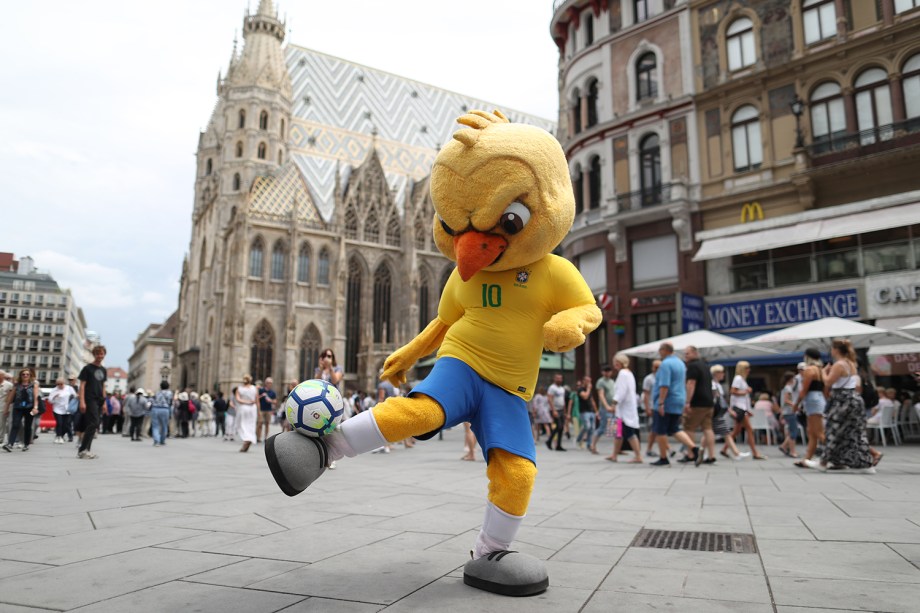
x: 357, y: 435
x: 498, y: 531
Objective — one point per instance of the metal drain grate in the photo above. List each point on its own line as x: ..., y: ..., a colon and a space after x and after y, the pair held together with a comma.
x: 696, y: 541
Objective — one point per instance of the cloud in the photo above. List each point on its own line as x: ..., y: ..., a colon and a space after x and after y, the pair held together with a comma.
x: 93, y: 285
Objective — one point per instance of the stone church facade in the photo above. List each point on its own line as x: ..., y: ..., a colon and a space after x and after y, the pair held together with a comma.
x: 311, y: 225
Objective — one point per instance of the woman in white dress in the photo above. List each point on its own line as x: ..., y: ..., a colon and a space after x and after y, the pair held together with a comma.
x: 246, y: 412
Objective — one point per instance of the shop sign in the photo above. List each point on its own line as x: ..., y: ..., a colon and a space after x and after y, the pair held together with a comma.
x: 692, y: 314
x: 897, y: 364
x: 783, y: 311
x: 645, y: 302
x: 893, y: 295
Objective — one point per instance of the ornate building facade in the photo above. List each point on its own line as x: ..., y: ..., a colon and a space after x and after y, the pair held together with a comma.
x: 311, y: 224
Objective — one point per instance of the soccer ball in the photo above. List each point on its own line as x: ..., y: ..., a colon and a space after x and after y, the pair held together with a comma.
x: 314, y: 408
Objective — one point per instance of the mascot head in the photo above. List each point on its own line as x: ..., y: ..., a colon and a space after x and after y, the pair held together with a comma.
x: 502, y: 195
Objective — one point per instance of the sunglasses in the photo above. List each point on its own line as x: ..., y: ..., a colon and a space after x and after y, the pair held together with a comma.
x: 326, y: 355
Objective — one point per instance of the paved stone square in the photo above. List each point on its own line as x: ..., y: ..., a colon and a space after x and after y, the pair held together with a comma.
x: 197, y: 526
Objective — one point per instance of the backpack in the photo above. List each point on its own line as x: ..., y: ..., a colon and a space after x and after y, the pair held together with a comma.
x: 869, y: 395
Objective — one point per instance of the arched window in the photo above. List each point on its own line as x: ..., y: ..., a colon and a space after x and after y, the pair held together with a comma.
x: 261, y: 151
x: 592, y: 103
x: 263, y: 120
x: 310, y: 344
x: 202, y: 256
x: 261, y: 352
x: 372, y: 228
x: 828, y: 117
x: 322, y: 267
x: 578, y: 184
x: 394, y: 234
x: 208, y: 167
x: 588, y: 23
x: 873, y: 106
x: 239, y: 149
x: 740, y: 44
x: 911, y: 83
x: 421, y: 231
x: 424, y: 317
x: 255, y: 258
x: 650, y: 170
x: 646, y: 82
x: 819, y: 18
x: 236, y: 182
x: 279, y: 259
x: 282, y: 130
x: 594, y: 183
x: 383, y: 326
x: 280, y: 157
x: 746, y: 145
x: 303, y: 264
x: 901, y: 6
x: 353, y: 316
x: 351, y: 223
x: 242, y: 121
x: 576, y: 111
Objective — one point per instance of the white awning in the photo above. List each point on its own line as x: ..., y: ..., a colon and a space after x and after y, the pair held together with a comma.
x: 821, y: 224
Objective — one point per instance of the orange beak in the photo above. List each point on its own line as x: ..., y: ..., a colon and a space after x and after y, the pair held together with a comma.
x: 476, y: 250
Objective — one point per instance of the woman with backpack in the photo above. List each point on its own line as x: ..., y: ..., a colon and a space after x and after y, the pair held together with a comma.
x: 23, y: 400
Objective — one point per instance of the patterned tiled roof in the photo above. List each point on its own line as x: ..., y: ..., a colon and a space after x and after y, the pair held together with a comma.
x: 274, y: 196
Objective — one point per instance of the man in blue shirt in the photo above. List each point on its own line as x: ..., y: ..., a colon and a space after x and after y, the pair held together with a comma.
x: 670, y: 394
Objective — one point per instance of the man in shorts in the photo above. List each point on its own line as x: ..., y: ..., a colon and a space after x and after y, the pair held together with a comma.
x: 670, y: 392
x: 698, y: 410
x: 268, y: 399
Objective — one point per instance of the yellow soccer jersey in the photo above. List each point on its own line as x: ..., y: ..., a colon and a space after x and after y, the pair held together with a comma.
x: 496, y: 319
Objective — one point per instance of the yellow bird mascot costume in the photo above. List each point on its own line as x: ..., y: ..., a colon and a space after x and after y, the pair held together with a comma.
x: 503, y: 200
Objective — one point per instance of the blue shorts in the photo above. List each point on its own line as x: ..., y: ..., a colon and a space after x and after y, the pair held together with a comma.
x: 497, y: 418
x: 667, y: 424
x: 814, y: 403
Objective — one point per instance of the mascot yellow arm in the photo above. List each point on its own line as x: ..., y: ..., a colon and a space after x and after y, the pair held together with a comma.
x: 401, y: 360
x: 567, y: 329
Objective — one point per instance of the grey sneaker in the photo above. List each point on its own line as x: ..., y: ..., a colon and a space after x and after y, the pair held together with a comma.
x: 509, y: 573
x: 295, y: 460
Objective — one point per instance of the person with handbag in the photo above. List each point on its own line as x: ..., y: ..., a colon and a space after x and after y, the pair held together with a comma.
x: 24, y: 399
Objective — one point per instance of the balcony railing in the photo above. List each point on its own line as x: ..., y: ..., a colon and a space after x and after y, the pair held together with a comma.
x: 849, y: 145
x: 644, y: 198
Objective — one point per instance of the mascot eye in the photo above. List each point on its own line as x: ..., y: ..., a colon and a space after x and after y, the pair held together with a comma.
x: 446, y: 227
x: 514, y: 218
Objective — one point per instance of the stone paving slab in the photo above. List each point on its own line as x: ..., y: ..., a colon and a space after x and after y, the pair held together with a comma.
x: 197, y: 526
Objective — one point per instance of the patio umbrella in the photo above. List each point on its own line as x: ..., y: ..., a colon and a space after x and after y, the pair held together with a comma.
x: 821, y: 332
x: 711, y: 345
x: 913, y: 328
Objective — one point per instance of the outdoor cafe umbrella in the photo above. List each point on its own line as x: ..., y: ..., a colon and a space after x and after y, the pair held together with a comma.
x: 821, y: 332
x: 711, y: 345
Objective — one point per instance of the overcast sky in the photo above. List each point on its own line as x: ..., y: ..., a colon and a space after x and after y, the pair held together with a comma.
x: 101, y: 103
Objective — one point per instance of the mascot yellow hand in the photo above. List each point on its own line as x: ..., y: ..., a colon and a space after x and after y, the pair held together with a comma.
x: 566, y: 330
x: 400, y: 361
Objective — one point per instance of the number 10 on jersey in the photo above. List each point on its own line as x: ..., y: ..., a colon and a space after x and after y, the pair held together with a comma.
x: 491, y: 295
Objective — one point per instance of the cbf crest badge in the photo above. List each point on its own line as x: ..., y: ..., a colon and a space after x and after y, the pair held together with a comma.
x: 522, y: 277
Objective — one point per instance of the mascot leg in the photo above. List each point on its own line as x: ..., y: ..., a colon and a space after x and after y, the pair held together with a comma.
x: 296, y: 460
x: 494, y: 568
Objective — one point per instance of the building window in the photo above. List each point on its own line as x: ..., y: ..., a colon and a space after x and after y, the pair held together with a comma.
x: 383, y: 281
x: 594, y: 183
x: 576, y: 111
x: 207, y: 167
x: 280, y: 157
x: 310, y: 344
x: 260, y: 152
x: 646, y: 83
x: 828, y: 117
x: 640, y: 10
x: 424, y: 317
x: 746, y: 144
x: 911, y: 83
x: 282, y: 129
x: 421, y: 232
x: 592, y: 103
x: 651, y: 327
x: 261, y: 350
x: 278, y: 262
x: 239, y: 149
x: 650, y: 169
x: 351, y: 223
x: 372, y: 228
x: 578, y: 184
x: 873, y: 106
x: 322, y: 267
x: 236, y: 182
x: 740, y: 44
x: 588, y: 24
x: 242, y: 121
x: 394, y: 235
x: 263, y: 120
x: 901, y: 6
x: 353, y: 316
x: 654, y: 261
x: 255, y: 259
x: 303, y: 264
x: 819, y: 19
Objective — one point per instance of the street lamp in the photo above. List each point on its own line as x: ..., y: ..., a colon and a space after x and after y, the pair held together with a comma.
x: 798, y: 107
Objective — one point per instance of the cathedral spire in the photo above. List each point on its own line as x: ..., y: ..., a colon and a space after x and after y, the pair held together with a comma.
x: 266, y: 8
x: 261, y: 62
